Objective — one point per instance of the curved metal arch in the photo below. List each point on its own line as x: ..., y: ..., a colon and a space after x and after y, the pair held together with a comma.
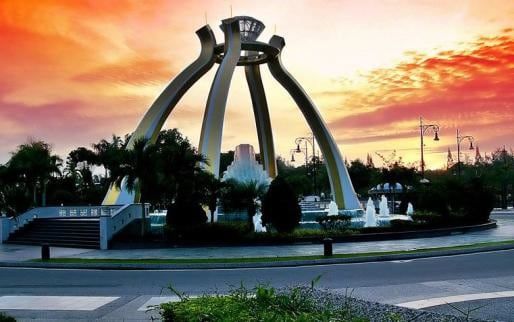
x: 212, y: 125
x: 262, y: 119
x: 342, y: 188
x: 152, y: 122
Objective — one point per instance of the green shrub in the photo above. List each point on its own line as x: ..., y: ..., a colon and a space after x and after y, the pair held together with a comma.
x: 263, y: 303
x: 280, y: 206
x: 211, y: 232
x: 242, y: 232
x: 399, y: 225
x: 428, y: 218
x: 331, y: 223
x: 185, y: 214
x: 6, y: 318
x: 469, y: 201
x: 479, y: 202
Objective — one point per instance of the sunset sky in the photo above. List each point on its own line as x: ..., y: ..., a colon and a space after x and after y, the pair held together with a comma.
x: 73, y: 72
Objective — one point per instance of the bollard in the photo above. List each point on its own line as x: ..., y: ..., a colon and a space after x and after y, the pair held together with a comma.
x: 327, y: 247
x: 45, y: 252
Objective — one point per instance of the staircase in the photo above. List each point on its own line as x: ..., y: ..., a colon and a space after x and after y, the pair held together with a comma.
x: 311, y: 211
x: 60, y: 232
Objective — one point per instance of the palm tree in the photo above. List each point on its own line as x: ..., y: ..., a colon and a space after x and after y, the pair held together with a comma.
x: 108, y: 153
x: 79, y: 170
x: 211, y: 189
x: 33, y: 164
x: 137, y: 172
x: 180, y: 165
x: 3, y: 184
x: 243, y: 196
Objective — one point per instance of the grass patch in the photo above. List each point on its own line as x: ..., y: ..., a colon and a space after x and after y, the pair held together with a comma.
x: 263, y: 303
x: 263, y: 259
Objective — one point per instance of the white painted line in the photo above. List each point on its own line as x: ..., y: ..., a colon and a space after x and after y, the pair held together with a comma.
x: 453, y: 299
x: 57, y: 303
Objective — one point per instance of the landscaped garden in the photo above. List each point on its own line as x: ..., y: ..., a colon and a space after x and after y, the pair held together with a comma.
x: 168, y: 176
x: 299, y: 303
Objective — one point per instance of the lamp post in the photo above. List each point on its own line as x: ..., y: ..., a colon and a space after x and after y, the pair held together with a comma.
x: 293, y: 151
x: 461, y: 138
x: 312, y: 141
x: 424, y: 129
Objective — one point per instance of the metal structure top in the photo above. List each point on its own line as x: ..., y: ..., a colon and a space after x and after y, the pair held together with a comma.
x: 249, y: 27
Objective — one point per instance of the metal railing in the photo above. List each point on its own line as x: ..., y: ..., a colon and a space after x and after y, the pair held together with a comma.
x: 9, y: 225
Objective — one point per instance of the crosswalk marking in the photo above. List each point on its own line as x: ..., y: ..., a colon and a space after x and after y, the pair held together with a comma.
x: 57, y: 303
x: 454, y: 299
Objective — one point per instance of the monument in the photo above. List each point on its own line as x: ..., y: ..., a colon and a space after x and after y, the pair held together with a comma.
x: 241, y: 48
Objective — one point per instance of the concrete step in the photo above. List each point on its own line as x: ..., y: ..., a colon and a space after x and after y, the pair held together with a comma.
x: 81, y: 233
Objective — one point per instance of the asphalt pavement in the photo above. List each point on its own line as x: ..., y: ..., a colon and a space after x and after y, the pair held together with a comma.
x: 122, y: 295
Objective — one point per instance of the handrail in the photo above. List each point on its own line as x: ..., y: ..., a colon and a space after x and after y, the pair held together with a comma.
x: 110, y: 224
x: 17, y: 222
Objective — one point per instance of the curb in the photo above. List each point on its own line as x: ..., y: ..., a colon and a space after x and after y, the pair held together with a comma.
x: 291, y: 263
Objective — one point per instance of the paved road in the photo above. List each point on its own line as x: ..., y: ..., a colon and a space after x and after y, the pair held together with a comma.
x: 388, y: 282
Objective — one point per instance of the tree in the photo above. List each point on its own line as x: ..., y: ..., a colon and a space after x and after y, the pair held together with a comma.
x: 179, y: 164
x: 226, y: 159
x: 33, y: 164
x: 212, y: 190
x: 79, y: 169
x: 242, y: 196
x: 137, y: 172
x: 182, y: 181
x: 280, y: 206
x: 363, y: 176
x: 4, y: 206
x: 108, y: 153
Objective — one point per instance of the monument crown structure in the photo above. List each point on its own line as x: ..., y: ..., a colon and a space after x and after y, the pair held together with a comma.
x: 241, y: 48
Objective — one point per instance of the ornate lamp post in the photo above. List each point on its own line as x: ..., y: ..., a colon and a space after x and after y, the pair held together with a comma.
x: 424, y: 129
x: 461, y: 138
x: 293, y: 151
x: 312, y: 141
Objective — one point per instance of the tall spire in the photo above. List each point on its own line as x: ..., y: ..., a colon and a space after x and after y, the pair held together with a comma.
x: 369, y: 161
x: 449, y: 161
x: 478, y: 156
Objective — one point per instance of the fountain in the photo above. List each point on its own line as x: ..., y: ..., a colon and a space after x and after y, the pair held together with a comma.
x: 371, y: 220
x: 332, y: 209
x: 245, y: 168
x: 384, y: 208
x: 257, y: 223
x: 410, y: 210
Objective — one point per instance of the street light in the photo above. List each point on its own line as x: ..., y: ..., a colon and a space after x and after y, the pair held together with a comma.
x: 461, y: 138
x: 293, y: 151
x: 424, y: 129
x: 312, y: 141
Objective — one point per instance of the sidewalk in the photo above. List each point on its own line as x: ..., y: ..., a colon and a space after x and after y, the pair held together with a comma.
x: 505, y: 231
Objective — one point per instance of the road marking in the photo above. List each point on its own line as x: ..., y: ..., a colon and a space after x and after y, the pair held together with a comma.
x: 455, y: 298
x: 57, y: 303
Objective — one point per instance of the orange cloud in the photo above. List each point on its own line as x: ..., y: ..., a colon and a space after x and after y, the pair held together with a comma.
x: 471, y: 89
x: 134, y: 71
